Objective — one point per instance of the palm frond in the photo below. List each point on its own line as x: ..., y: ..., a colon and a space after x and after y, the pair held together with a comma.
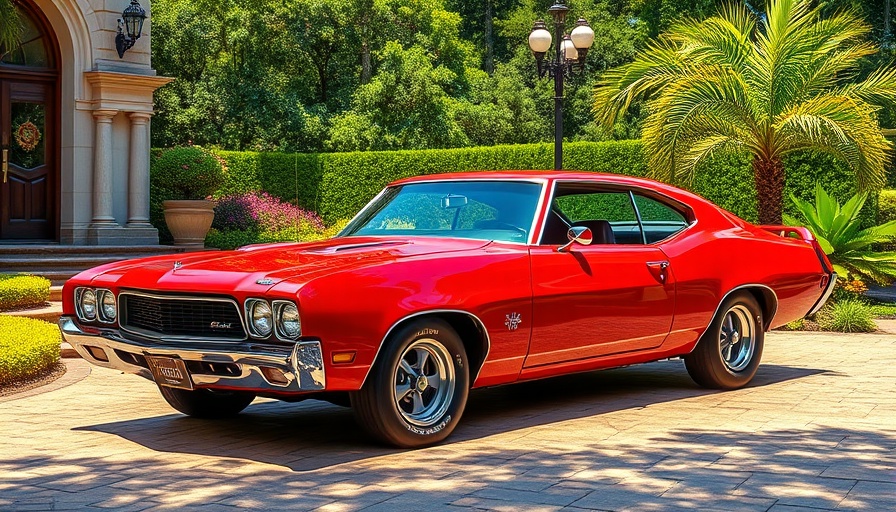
x: 10, y: 24
x: 843, y: 126
x: 654, y: 68
x: 879, y: 88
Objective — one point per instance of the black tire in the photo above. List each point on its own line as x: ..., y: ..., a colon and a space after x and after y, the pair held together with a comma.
x: 717, y: 364
x: 205, y: 403
x: 431, y: 406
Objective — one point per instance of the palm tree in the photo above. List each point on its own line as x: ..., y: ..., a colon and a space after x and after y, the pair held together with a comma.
x: 737, y: 81
x: 10, y: 25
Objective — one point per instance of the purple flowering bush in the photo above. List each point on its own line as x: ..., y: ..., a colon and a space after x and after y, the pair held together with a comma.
x: 256, y: 217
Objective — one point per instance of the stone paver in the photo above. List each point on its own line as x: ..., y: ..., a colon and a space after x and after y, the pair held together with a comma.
x: 816, y: 431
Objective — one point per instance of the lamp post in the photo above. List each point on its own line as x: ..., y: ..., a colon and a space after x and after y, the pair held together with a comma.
x: 570, y: 49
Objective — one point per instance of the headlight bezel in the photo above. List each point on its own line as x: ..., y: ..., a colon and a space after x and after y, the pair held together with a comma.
x: 80, y: 293
x: 101, y: 294
x: 279, y: 306
x: 249, y: 308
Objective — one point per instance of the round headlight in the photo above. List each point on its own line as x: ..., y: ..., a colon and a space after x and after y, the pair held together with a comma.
x: 288, y: 323
x: 88, y: 304
x: 107, y: 303
x: 261, y: 317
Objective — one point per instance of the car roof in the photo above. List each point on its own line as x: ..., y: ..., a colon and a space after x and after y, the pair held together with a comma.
x: 598, y: 177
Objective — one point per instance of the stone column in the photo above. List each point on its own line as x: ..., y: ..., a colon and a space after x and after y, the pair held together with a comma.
x: 102, y: 168
x: 138, y: 174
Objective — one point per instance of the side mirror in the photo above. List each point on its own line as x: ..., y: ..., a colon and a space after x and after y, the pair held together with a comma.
x: 577, y: 235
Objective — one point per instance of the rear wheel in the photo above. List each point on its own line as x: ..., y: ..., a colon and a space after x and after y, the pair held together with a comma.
x: 206, y: 403
x: 727, y: 355
x: 417, y: 390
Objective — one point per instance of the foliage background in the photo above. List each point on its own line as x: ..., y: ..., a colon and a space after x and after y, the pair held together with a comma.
x: 337, y: 185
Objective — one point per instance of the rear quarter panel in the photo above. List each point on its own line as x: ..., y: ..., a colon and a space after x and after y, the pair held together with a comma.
x: 709, y: 263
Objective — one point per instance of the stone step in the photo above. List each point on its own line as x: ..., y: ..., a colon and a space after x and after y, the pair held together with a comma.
x: 58, y: 262
x: 51, y: 249
x: 55, y: 293
x: 49, y: 313
x: 56, y: 277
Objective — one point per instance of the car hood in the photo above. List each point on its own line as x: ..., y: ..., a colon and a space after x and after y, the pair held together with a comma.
x: 261, y: 267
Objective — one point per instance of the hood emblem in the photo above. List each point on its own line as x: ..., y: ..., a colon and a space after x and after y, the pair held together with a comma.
x: 512, y: 321
x: 265, y: 281
x: 178, y: 264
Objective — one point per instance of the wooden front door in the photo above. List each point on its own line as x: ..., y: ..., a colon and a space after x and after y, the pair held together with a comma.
x: 28, y: 175
x: 29, y: 128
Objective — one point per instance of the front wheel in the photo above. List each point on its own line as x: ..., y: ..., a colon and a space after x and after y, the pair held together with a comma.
x: 206, y: 403
x: 417, y: 390
x: 727, y: 355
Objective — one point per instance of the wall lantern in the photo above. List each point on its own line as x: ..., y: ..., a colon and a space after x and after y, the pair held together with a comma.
x: 130, y: 25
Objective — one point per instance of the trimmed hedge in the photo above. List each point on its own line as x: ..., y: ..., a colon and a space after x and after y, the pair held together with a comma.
x: 22, y: 291
x: 337, y: 185
x: 28, y: 347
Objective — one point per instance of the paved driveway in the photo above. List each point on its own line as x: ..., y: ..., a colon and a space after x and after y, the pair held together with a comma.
x: 816, y: 430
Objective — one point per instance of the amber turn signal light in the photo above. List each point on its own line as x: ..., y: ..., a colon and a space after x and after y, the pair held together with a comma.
x: 343, y: 357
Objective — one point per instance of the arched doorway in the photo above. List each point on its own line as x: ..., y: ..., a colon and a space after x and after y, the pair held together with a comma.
x: 29, y: 133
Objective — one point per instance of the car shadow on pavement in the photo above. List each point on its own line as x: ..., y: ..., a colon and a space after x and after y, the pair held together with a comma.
x: 311, y: 435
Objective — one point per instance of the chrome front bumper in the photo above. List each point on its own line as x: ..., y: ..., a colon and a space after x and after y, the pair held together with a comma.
x: 212, y: 364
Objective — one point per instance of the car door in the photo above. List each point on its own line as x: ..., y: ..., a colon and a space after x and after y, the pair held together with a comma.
x: 615, y: 295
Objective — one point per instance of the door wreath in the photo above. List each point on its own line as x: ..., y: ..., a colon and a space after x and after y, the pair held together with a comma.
x: 28, y: 136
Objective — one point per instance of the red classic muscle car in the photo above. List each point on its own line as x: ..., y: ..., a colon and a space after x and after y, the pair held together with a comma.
x: 451, y: 282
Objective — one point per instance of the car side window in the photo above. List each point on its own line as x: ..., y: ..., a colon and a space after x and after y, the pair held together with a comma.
x: 609, y: 214
x: 660, y: 221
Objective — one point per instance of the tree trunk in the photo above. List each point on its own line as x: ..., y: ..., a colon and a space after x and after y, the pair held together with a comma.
x: 769, y: 177
x: 365, y: 63
x: 489, y: 39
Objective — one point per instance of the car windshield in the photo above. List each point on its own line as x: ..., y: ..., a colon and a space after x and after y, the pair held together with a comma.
x: 482, y: 210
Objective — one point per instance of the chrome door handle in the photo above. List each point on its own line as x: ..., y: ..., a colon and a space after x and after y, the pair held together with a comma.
x: 658, y: 269
x: 5, y: 164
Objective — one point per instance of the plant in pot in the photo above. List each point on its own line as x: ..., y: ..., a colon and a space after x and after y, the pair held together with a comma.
x: 181, y: 182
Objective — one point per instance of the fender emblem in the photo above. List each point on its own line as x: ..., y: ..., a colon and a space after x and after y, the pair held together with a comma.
x: 512, y: 321
x: 265, y: 281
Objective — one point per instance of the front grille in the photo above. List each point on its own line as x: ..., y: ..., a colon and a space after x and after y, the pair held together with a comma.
x: 188, y: 317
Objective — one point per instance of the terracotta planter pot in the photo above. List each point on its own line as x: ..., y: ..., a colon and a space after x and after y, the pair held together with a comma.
x: 189, y: 220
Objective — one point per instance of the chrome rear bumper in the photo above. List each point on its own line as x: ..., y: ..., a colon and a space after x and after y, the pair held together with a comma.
x: 224, y: 365
x: 832, y: 283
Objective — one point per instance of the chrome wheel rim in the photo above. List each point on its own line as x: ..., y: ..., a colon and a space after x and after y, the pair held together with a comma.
x: 424, y: 383
x: 737, y: 338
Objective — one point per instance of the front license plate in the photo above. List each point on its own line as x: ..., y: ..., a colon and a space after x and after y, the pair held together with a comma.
x: 169, y: 371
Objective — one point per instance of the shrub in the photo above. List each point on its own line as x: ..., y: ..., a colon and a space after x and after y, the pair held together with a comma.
x: 27, y: 348
x: 839, y: 233
x: 180, y: 173
x: 244, y: 219
x: 21, y: 291
x: 337, y: 185
x: 886, y: 206
x: 186, y: 173
x: 234, y: 213
x: 883, y: 310
x: 850, y: 315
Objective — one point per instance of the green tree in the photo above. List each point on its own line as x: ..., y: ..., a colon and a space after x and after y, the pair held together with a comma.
x: 405, y: 106
x: 773, y: 88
